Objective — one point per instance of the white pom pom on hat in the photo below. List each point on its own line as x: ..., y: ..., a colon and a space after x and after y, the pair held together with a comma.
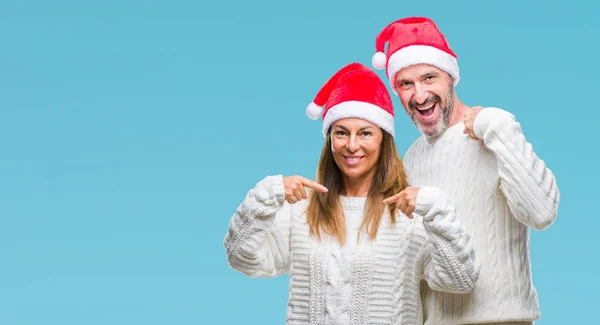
x: 379, y: 60
x: 314, y: 111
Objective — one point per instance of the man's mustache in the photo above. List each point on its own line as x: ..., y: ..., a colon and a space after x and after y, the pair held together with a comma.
x: 430, y: 99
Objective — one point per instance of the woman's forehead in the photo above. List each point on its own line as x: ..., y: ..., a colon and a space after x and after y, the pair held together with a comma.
x: 353, y: 123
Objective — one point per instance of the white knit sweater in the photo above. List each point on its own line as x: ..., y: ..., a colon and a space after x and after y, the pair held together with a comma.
x: 379, y: 284
x: 501, y: 189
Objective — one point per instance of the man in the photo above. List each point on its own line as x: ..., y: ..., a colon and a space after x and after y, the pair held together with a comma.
x: 481, y: 158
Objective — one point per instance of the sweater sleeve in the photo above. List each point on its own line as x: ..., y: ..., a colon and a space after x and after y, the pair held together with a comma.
x: 258, y: 241
x: 450, y: 264
x: 528, y: 185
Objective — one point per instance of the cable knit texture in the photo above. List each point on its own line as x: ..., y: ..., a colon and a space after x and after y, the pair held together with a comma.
x: 363, y: 282
x: 501, y: 189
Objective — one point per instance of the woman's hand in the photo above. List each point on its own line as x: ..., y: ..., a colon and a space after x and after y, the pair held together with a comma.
x: 294, y: 188
x: 405, y: 200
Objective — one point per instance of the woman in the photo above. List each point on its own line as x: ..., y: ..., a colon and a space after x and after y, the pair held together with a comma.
x: 351, y: 255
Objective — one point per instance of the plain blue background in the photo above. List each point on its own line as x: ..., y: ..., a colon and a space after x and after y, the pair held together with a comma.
x: 131, y: 130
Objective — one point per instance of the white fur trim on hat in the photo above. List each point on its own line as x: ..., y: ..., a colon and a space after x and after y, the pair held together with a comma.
x: 367, y: 111
x: 421, y: 54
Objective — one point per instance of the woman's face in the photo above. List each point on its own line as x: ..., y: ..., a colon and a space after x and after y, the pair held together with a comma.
x: 355, y: 144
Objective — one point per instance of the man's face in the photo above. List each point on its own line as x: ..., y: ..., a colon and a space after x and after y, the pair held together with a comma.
x: 427, y: 94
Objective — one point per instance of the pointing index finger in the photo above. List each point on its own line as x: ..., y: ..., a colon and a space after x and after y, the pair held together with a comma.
x: 392, y: 198
x: 314, y: 185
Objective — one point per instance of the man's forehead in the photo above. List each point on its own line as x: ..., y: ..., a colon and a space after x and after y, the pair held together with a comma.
x: 416, y: 71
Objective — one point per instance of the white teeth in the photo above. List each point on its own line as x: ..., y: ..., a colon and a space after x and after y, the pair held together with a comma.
x: 353, y: 159
x: 425, y: 108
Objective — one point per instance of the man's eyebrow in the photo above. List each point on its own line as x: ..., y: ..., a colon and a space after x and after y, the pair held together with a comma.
x: 430, y: 73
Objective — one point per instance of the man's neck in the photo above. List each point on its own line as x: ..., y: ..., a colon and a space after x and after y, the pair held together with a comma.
x: 458, y: 114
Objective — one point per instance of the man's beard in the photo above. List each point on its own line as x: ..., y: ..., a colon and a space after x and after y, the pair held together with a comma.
x: 445, y: 114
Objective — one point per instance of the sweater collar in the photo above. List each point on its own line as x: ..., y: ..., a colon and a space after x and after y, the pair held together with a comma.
x: 349, y: 202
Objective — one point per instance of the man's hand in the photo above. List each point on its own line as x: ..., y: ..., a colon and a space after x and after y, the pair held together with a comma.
x: 469, y: 119
x: 294, y: 188
x: 405, y: 201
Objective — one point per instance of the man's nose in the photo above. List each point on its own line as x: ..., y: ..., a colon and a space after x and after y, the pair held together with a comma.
x: 420, y: 94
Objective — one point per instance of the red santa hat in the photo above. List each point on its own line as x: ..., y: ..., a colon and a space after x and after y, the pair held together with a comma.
x: 414, y: 40
x: 353, y: 91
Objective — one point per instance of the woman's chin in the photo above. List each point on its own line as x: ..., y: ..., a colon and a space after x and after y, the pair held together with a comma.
x: 354, y: 172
